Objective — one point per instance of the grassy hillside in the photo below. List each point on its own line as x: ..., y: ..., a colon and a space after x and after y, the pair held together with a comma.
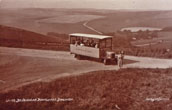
x: 159, y: 46
x: 122, y: 19
x: 71, y: 20
x: 14, y: 37
x: 127, y: 89
x: 47, y: 20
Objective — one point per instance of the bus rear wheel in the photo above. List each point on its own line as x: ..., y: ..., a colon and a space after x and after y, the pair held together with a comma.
x: 79, y: 57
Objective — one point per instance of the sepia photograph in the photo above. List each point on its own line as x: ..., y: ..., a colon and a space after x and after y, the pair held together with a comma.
x: 85, y: 55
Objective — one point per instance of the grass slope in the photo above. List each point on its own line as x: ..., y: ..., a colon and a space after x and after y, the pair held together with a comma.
x: 15, y: 37
x: 39, y: 20
x: 127, y: 89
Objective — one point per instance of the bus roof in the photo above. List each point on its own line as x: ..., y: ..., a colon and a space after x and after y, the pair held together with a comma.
x: 90, y: 36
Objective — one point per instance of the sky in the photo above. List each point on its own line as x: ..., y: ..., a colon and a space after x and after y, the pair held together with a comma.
x: 97, y: 4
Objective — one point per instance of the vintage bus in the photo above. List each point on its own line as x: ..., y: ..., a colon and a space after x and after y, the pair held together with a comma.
x: 94, y: 46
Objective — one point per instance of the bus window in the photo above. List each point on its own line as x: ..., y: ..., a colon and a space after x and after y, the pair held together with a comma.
x: 103, y: 44
x: 92, y: 43
x: 73, y: 40
x: 97, y: 45
x: 108, y: 43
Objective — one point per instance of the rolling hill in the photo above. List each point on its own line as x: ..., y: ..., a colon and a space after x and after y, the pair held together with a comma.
x: 67, y: 21
x: 14, y: 37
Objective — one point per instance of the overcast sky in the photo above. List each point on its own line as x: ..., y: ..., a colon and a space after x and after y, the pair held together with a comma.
x: 98, y: 4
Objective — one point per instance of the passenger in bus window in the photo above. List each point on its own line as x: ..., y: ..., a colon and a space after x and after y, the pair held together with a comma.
x: 92, y: 43
x: 76, y: 43
x: 97, y: 45
x: 79, y: 41
x: 82, y: 43
x: 87, y: 43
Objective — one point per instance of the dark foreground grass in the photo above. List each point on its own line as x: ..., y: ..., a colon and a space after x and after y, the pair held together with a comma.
x: 127, y: 89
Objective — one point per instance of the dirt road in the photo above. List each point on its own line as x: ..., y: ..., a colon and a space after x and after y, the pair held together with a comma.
x: 146, y: 62
x: 24, y: 66
x: 91, y: 28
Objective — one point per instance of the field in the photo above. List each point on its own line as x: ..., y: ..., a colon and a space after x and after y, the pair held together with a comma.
x: 160, y: 46
x: 127, y: 89
x: 70, y: 21
x: 164, y: 38
x: 47, y: 20
x: 122, y: 19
